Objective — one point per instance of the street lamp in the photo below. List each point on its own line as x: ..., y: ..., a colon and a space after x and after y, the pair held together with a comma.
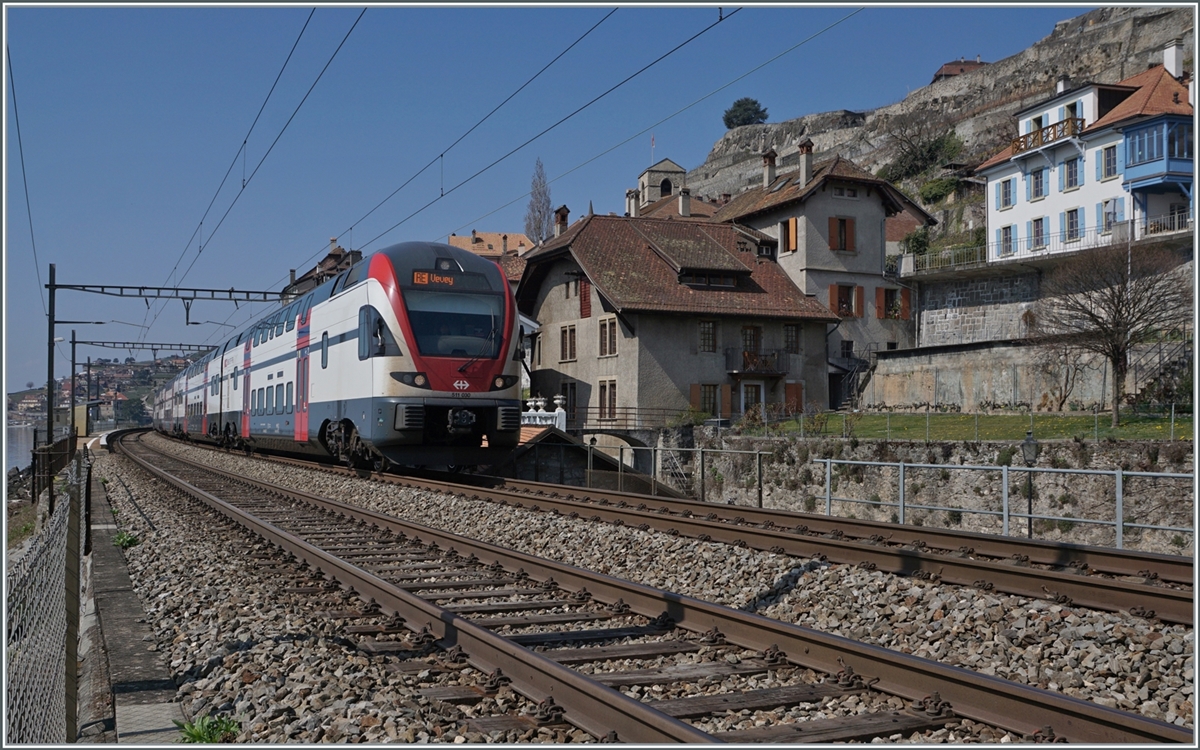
x: 1029, y: 451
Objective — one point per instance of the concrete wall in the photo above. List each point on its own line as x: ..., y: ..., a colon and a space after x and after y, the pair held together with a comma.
x: 979, y: 377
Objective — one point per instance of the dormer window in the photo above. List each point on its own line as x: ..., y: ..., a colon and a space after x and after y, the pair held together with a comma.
x: 708, y: 279
x: 845, y: 192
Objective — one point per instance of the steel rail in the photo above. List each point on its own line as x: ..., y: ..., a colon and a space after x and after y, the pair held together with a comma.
x: 991, y: 700
x: 593, y: 707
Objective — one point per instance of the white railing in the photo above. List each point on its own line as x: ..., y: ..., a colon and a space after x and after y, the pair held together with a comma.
x: 537, y: 414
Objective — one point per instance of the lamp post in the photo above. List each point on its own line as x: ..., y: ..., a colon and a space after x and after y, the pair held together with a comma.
x: 1029, y: 451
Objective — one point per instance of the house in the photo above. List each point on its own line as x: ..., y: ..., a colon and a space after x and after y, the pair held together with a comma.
x: 829, y: 223
x: 656, y: 182
x: 338, y: 259
x: 1095, y: 164
x: 957, y: 68
x: 642, y: 318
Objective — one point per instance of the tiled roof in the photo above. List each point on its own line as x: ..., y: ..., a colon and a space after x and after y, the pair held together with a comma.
x: 628, y: 260
x: 513, y: 266
x: 491, y: 243
x: 1155, y: 93
x: 669, y: 206
x: 785, y: 189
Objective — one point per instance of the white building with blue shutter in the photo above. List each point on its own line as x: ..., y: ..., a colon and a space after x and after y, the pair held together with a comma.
x: 1095, y: 164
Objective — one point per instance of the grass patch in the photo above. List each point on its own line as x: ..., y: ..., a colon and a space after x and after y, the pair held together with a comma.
x: 22, y: 524
x: 961, y: 427
x: 125, y: 540
x: 209, y: 729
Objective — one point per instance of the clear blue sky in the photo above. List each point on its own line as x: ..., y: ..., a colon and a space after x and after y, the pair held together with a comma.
x: 130, y: 117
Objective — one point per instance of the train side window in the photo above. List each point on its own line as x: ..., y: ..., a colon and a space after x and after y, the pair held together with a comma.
x: 270, y: 399
x: 253, y: 401
x: 279, y: 323
x: 288, y: 402
x: 290, y: 319
x: 235, y: 378
x: 375, y: 339
x: 324, y: 350
x: 279, y: 399
x: 261, y: 408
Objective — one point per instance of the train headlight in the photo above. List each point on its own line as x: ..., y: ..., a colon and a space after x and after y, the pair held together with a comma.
x: 415, y: 379
x: 500, y: 382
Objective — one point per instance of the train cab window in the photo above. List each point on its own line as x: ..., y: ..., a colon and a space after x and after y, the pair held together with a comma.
x: 288, y: 402
x: 456, y: 324
x: 374, y: 337
x: 324, y: 350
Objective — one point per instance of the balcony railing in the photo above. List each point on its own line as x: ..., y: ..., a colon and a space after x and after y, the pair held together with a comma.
x: 1054, y: 242
x: 770, y: 362
x: 1049, y: 134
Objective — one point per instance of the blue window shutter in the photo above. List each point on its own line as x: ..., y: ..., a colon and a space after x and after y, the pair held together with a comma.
x: 1099, y: 216
x: 998, y: 248
x: 1062, y: 113
x: 1061, y: 171
x: 997, y: 196
x: 1079, y: 112
x: 1121, y: 155
x: 1082, y: 220
x: 1029, y: 233
x: 1099, y: 164
x: 1062, y: 224
x: 1028, y: 186
x: 1082, y: 161
x: 1121, y: 209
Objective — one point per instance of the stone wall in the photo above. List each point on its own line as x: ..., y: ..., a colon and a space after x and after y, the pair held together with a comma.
x: 978, y: 309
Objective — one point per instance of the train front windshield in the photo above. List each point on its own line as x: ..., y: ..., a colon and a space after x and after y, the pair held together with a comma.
x: 453, y: 324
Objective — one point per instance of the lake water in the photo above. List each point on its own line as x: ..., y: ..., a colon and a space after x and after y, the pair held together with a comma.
x: 19, y: 447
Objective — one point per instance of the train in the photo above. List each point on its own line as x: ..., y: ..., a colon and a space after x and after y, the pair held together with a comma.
x: 410, y: 357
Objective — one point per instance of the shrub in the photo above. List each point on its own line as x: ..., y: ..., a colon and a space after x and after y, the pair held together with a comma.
x: 937, y: 189
x: 209, y: 729
x: 875, y: 498
x: 692, y: 416
x: 1005, y: 456
x: 1175, y: 452
x: 944, y: 474
x: 125, y: 540
x: 810, y: 503
x: 1177, y: 541
x: 894, y: 518
x: 1065, y: 525
x: 954, y: 517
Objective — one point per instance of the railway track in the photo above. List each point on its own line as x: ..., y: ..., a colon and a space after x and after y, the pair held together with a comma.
x: 1142, y: 584
x: 492, y: 606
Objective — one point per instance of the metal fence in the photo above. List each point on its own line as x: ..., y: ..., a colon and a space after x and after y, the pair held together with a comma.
x: 48, y: 461
x: 43, y: 595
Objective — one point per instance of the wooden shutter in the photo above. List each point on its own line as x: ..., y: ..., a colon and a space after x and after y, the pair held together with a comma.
x: 726, y: 399
x: 791, y: 234
x: 905, y: 303
x: 859, y: 294
x: 849, y: 234
x: 833, y: 233
x: 879, y: 302
x: 833, y: 299
x: 695, y: 395
x: 585, y: 298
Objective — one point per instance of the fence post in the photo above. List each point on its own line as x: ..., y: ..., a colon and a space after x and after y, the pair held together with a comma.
x: 1120, y: 509
x: 654, y: 470
x: 927, y: 424
x: 1096, y: 423
x: 620, y: 468
x: 589, y: 469
x: 1004, y: 496
x: 900, y: 514
x: 758, y: 454
x: 829, y: 486
x: 977, y: 427
x: 889, y: 426
x: 1172, y: 422
x: 702, y: 475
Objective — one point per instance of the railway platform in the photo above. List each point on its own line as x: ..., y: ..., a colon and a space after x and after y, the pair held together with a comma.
x: 126, y: 692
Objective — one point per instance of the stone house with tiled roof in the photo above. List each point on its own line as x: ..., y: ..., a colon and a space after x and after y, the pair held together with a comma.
x: 506, y: 248
x: 829, y: 221
x: 1094, y: 164
x: 646, y: 317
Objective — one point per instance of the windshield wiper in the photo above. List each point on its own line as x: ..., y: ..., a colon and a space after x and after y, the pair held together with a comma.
x: 483, y: 350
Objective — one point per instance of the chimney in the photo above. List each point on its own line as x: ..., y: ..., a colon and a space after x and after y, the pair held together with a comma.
x: 332, y: 244
x: 631, y: 203
x: 806, y: 159
x: 292, y: 277
x: 1064, y: 83
x: 978, y: 58
x: 1173, y: 57
x: 685, y: 202
x: 474, y: 237
x: 769, y: 167
x: 504, y: 244
x: 560, y: 219
x: 725, y: 198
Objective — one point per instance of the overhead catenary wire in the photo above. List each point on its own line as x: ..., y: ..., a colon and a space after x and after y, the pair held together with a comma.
x: 440, y: 158
x: 626, y: 80
x: 24, y: 180
x: 669, y: 117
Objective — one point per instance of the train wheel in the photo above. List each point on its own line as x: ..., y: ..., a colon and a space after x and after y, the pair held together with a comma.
x: 381, y: 463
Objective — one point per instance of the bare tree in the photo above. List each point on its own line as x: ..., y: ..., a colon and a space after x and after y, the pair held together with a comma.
x: 538, y: 217
x: 1109, y: 300
x: 1061, y: 364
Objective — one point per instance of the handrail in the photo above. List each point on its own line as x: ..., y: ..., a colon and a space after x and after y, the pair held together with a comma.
x: 1049, y: 134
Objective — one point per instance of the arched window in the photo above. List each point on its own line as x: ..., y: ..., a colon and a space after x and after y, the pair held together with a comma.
x: 664, y: 188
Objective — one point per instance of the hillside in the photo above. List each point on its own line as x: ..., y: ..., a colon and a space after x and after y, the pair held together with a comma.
x: 1103, y: 46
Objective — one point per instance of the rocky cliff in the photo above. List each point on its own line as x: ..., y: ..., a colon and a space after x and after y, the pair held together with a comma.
x: 1102, y: 46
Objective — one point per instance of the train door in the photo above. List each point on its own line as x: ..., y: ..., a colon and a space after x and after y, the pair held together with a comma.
x: 204, y: 403
x: 302, y: 346
x: 246, y: 388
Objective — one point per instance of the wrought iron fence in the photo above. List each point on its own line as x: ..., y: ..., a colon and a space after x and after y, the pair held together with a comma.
x: 42, y: 615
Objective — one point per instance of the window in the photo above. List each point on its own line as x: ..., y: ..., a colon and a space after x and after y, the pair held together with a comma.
x: 608, y: 337
x: 1073, y: 228
x: 566, y: 352
x: 376, y: 340
x: 791, y: 338
x: 847, y: 349
x: 1006, y: 240
x: 608, y: 399
x: 891, y: 345
x: 841, y: 234
x: 1006, y: 193
x: 324, y: 350
x: 1145, y: 145
x: 845, y: 192
x: 708, y: 279
x: 235, y: 379
x: 270, y: 399
x: 290, y: 316
x: 1071, y: 173
x: 1037, y: 184
x: 708, y: 399
x: 1037, y: 234
x: 752, y: 339
x: 569, y: 393
x: 1110, y: 162
x: 708, y: 335
x: 261, y: 402
x: 1179, y: 140
x: 288, y: 402
x: 844, y: 301
x: 279, y: 399
x: 787, y: 235
x: 571, y: 288
x: 891, y: 304
x: 1109, y: 215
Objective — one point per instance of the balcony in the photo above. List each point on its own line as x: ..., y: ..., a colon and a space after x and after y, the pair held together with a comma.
x: 1153, y: 227
x: 1047, y: 135
x: 771, y: 362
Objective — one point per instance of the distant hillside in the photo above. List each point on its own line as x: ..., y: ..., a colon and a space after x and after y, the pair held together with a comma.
x: 1102, y: 46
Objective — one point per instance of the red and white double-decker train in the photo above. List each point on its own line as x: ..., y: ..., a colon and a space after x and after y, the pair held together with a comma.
x: 411, y: 357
